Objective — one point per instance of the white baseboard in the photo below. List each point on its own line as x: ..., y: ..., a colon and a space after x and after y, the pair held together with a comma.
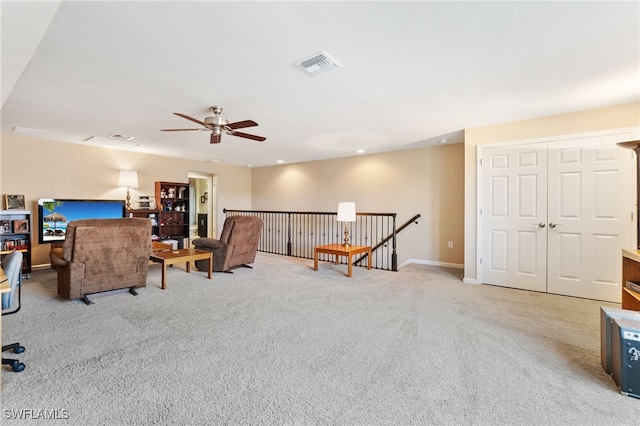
x: 470, y: 281
x: 432, y: 263
x: 41, y: 267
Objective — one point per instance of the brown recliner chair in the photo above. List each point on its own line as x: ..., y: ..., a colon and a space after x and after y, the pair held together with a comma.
x: 102, y: 254
x: 237, y: 246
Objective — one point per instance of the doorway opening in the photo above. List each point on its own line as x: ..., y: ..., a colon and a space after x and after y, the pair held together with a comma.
x: 202, y: 187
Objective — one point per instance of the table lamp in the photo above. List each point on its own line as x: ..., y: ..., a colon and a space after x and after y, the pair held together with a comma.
x: 128, y: 178
x: 346, y: 213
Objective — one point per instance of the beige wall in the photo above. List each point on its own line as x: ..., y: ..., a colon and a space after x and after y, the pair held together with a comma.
x: 438, y: 182
x: 428, y: 181
x: 616, y: 117
x: 41, y: 168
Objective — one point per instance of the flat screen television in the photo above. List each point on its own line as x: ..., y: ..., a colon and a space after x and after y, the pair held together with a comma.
x: 54, y: 214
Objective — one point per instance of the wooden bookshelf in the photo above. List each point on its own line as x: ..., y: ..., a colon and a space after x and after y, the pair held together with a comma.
x: 173, y: 217
x: 15, y: 235
x: 630, y: 272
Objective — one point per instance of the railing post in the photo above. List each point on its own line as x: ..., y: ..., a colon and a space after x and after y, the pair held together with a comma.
x: 288, y: 234
x: 394, y: 255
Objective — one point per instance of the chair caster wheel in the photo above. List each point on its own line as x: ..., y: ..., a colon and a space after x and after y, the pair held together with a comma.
x: 17, y: 366
x: 18, y: 350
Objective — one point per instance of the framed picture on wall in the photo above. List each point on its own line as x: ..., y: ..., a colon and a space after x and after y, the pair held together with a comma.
x: 14, y: 202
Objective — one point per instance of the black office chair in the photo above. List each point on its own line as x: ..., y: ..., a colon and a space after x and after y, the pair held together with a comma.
x: 12, y: 267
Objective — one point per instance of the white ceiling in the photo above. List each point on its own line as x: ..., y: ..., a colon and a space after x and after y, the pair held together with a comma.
x: 413, y: 72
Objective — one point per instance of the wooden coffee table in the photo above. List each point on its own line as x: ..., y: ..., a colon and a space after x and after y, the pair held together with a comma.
x: 341, y: 250
x: 158, y: 246
x: 168, y: 258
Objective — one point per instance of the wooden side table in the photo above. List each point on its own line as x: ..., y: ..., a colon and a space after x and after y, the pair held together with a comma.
x: 341, y: 250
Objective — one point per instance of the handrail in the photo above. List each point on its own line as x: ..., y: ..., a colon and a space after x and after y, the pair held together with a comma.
x: 225, y: 210
x: 297, y: 233
x: 384, y: 240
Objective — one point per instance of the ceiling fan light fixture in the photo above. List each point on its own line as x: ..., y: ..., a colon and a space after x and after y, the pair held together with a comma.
x: 218, y: 125
x: 216, y: 121
x: 318, y: 63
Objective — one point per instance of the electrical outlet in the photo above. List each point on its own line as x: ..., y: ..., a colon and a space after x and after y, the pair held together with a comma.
x: 450, y: 244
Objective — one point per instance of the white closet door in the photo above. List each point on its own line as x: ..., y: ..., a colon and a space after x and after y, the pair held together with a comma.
x: 557, y: 215
x: 590, y: 203
x: 514, y: 216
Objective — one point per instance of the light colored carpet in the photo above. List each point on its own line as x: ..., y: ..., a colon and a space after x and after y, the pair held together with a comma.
x: 282, y: 344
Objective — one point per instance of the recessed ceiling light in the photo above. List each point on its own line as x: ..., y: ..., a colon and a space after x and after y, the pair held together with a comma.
x: 280, y: 161
x: 119, y: 137
x: 248, y: 165
x: 444, y: 140
x: 360, y: 151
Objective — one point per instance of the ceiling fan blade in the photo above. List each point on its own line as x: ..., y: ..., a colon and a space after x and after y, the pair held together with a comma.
x: 215, y: 138
x: 195, y: 120
x: 248, y: 136
x: 241, y: 124
x: 177, y: 130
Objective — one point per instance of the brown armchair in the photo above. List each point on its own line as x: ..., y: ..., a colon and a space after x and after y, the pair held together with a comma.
x: 102, y: 254
x: 236, y: 247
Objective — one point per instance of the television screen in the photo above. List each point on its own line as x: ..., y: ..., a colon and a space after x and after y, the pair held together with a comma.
x: 55, y: 214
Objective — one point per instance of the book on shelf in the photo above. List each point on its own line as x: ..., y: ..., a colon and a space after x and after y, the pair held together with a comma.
x: 14, y: 244
x: 633, y: 285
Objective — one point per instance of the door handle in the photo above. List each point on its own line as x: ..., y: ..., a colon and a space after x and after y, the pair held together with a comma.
x: 540, y: 225
x: 552, y: 225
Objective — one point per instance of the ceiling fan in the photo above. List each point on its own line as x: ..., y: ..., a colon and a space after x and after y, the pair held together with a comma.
x: 219, y: 125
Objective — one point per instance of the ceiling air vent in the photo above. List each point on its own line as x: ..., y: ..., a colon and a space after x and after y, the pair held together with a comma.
x: 28, y: 131
x: 318, y: 63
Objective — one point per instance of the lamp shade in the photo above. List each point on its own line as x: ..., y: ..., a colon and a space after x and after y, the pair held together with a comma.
x: 347, y: 211
x: 128, y: 178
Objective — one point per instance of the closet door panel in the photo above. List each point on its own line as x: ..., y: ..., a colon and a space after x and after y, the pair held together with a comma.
x: 588, y: 218
x: 514, y: 219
